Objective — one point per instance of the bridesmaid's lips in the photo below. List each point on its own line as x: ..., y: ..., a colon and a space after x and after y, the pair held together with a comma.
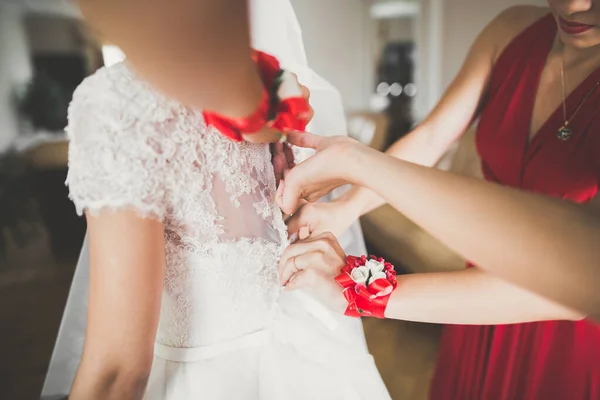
x: 573, y: 28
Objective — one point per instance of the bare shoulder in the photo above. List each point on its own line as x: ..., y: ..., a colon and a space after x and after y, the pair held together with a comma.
x: 510, y: 23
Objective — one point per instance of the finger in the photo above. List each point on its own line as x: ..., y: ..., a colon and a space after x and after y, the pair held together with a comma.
x: 278, y: 148
x: 333, y: 242
x: 304, y: 232
x: 289, y: 155
x: 304, y: 139
x: 288, y: 217
x: 295, y: 222
x: 298, y: 219
x: 279, y: 197
x: 278, y: 160
x: 290, y: 195
x: 287, y: 199
x: 285, y: 172
x: 329, y: 244
x: 295, y: 250
x: 289, y: 253
x: 318, y: 261
x: 316, y: 195
x: 279, y: 165
x: 303, y: 262
x: 317, y: 245
x: 287, y: 271
x: 302, y: 279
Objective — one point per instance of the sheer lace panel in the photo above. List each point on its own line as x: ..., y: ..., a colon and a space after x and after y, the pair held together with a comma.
x: 132, y: 147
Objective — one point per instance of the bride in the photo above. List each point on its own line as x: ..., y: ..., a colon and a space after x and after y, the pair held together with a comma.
x: 184, y: 241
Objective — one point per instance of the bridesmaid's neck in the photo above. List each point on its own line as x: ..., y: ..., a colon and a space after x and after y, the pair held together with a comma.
x: 574, y: 57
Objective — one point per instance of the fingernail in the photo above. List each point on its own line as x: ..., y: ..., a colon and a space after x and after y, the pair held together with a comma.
x: 304, y: 233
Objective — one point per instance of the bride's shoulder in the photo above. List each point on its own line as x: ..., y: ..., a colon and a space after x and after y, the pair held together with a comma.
x: 114, y: 100
x: 112, y: 89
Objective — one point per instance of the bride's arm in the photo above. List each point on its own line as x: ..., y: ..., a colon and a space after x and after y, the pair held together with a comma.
x: 183, y: 45
x: 126, y: 276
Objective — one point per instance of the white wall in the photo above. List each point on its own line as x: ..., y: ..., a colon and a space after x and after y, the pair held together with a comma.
x: 400, y: 29
x: 463, y: 20
x: 15, y: 70
x: 444, y: 32
x: 338, y: 35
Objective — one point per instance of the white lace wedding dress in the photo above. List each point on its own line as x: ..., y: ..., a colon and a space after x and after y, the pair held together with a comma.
x: 226, y: 329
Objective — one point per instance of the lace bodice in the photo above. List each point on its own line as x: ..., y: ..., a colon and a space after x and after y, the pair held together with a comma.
x: 131, y: 147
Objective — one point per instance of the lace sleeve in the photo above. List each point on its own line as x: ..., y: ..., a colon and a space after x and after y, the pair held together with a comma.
x: 114, y: 156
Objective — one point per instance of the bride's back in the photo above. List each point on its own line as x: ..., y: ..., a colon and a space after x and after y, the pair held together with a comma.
x: 132, y: 147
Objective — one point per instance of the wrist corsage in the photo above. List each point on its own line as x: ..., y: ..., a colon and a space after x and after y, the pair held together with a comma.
x: 367, y: 284
x: 282, y: 106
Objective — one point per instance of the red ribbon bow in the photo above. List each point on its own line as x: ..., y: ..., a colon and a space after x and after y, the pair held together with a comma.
x: 365, y: 300
x: 281, y: 114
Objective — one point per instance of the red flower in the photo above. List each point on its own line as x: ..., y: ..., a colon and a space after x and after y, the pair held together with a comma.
x: 282, y: 113
x: 370, y: 299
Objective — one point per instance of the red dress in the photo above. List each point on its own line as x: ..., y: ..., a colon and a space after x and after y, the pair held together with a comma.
x: 557, y: 360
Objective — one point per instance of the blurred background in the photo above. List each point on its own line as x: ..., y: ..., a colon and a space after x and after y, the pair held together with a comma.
x: 390, y: 59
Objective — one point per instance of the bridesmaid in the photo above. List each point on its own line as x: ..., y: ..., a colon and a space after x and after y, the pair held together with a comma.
x: 532, y: 79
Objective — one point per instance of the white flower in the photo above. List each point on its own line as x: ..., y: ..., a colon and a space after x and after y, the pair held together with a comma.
x: 360, y: 275
x: 376, y: 275
x: 375, y: 266
x: 289, y: 86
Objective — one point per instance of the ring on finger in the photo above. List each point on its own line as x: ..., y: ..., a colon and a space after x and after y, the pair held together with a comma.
x: 296, y: 269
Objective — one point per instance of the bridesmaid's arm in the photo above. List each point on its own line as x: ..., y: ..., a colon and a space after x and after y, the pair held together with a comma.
x: 544, y: 245
x: 198, y: 51
x: 432, y: 138
x: 470, y: 296
x: 127, y: 263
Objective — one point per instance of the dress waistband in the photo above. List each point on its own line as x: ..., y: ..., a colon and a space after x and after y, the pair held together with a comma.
x: 191, y: 354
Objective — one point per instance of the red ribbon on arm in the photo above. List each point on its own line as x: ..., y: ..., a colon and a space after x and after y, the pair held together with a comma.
x: 368, y: 301
x: 281, y: 114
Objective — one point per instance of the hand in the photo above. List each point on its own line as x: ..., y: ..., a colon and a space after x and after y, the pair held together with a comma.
x: 335, y: 217
x: 330, y: 168
x: 313, y: 264
x: 282, y: 159
x: 282, y: 156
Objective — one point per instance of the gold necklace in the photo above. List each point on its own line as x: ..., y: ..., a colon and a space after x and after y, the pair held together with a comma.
x: 564, y: 132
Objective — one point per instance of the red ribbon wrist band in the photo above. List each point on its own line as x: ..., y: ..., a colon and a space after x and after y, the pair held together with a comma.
x: 368, y: 284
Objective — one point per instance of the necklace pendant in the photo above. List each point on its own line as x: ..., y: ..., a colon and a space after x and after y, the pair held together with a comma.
x: 564, y: 133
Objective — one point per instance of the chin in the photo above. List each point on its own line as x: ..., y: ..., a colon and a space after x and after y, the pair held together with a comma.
x: 580, y: 41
